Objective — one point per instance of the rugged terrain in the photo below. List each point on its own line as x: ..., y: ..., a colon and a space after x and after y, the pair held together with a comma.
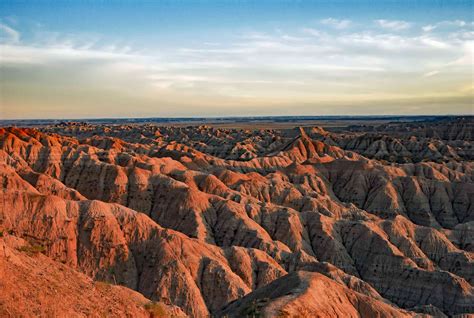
x: 203, y: 221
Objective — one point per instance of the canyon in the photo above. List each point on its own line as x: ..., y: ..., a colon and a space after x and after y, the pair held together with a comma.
x: 146, y: 220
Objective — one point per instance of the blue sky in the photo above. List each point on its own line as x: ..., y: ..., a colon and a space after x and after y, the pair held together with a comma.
x: 76, y: 59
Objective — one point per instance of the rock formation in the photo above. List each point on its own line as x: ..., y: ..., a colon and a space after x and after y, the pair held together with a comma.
x: 205, y: 221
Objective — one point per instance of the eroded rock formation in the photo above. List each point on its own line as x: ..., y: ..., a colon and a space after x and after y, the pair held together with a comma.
x: 224, y: 221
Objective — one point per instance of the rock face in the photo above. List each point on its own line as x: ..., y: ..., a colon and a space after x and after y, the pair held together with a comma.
x: 205, y: 221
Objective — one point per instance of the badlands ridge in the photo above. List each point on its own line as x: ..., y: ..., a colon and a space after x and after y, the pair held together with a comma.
x: 148, y: 221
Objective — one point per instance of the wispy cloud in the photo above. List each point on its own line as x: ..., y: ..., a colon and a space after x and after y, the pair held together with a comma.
x: 432, y: 73
x: 336, y: 23
x: 26, y: 54
x: 8, y: 34
x: 336, y: 65
x: 428, y: 28
x: 446, y: 24
x: 467, y: 56
x: 455, y: 23
x: 394, y: 25
x: 312, y: 32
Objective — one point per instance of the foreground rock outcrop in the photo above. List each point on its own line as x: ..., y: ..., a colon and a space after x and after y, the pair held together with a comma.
x: 306, y: 294
x: 34, y: 285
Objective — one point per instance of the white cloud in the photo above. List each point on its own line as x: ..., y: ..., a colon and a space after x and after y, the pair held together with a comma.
x: 467, y: 58
x: 428, y: 28
x: 432, y: 73
x: 27, y: 54
x: 336, y: 23
x: 394, y: 25
x: 434, y: 42
x: 312, y: 32
x: 354, y: 52
x: 446, y: 24
x: 455, y: 23
x: 8, y: 34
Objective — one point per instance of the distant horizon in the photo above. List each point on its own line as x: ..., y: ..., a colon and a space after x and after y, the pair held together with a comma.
x: 196, y: 118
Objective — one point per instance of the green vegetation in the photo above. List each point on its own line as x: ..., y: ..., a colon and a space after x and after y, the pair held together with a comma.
x: 254, y: 310
x: 156, y: 310
x: 32, y: 249
x: 102, y: 285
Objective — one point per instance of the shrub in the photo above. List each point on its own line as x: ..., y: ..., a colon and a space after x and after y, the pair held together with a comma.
x: 102, y: 284
x: 156, y: 310
x: 32, y: 249
x: 254, y: 309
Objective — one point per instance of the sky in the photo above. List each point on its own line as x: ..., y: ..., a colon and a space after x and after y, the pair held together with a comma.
x: 97, y: 59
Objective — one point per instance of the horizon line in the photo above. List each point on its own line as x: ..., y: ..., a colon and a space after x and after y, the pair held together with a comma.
x: 236, y: 117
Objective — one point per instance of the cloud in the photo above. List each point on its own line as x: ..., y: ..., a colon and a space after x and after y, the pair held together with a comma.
x: 8, y: 34
x: 336, y: 23
x: 304, y: 66
x: 434, y: 42
x: 455, y: 23
x: 394, y: 25
x: 27, y: 54
x: 312, y: 32
x: 428, y: 28
x: 354, y: 51
x: 446, y: 24
x: 467, y: 57
x: 432, y: 73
